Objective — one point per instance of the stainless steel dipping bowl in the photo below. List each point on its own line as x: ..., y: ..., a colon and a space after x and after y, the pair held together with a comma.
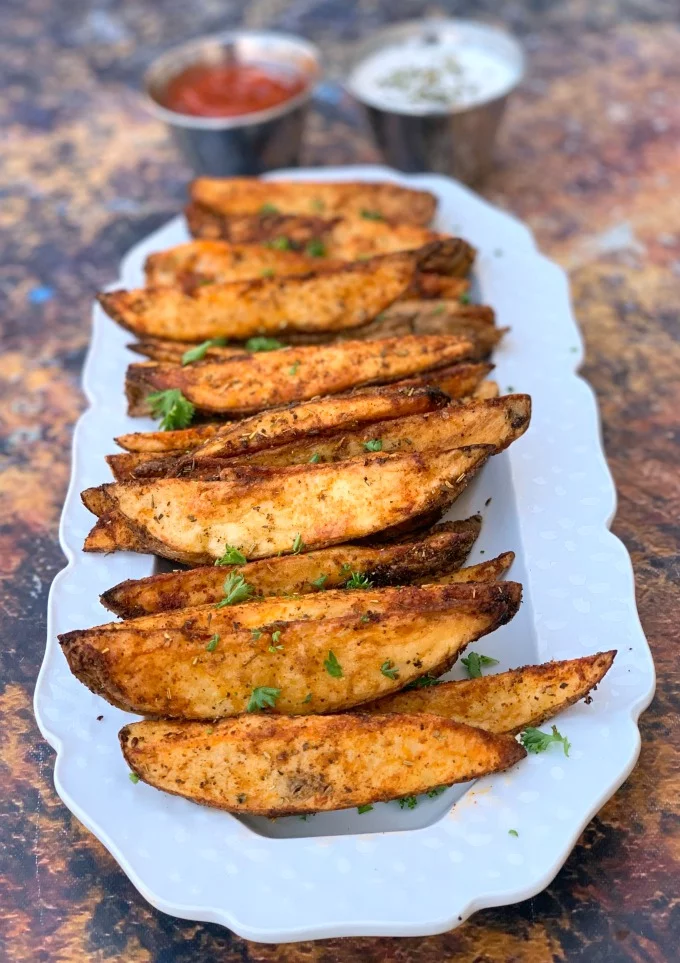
x: 250, y: 143
x: 451, y: 141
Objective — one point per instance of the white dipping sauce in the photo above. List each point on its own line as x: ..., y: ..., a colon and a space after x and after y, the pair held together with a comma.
x: 416, y: 77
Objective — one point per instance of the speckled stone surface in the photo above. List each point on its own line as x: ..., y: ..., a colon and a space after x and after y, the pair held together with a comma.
x: 590, y: 158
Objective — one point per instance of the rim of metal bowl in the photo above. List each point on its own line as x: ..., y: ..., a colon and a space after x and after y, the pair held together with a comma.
x: 181, y: 54
x: 395, y: 32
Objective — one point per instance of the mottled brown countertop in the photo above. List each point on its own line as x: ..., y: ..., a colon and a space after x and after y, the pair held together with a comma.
x: 590, y: 158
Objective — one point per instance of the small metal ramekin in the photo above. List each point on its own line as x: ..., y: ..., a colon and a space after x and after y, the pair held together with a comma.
x: 249, y: 143
x: 451, y: 141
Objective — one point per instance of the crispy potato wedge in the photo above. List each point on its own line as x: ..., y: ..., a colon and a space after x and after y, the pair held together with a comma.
x: 485, y: 390
x: 283, y: 425
x: 298, y: 230
x: 509, y: 701
x: 265, y: 511
x: 497, y: 422
x: 266, y: 380
x: 491, y: 570
x: 161, y: 665
x: 441, y: 549
x: 322, y: 762
x: 332, y: 300
x: 369, y: 201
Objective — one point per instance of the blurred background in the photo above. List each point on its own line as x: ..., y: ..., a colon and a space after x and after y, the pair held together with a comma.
x: 588, y: 156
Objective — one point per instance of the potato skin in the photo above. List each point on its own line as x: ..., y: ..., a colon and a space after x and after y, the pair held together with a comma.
x: 507, y: 701
x: 263, y: 511
x: 322, y: 763
x: 441, y: 548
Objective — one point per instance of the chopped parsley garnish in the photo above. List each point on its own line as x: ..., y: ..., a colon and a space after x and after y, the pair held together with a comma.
x: 256, y: 634
x: 332, y: 666
x: 293, y: 370
x: 513, y: 832
x: 464, y: 298
x: 364, y: 809
x: 267, y: 273
x: 474, y: 662
x: 423, y: 682
x: 298, y: 544
x: 389, y: 670
x: 212, y: 645
x: 318, y: 204
x: 358, y: 580
x: 320, y: 581
x: 281, y: 243
x: 236, y: 590
x: 232, y: 556
x: 307, y: 698
x: 408, y: 802
x: 173, y: 409
x: 133, y: 777
x: 437, y: 791
x: 263, y: 697
x: 275, y: 638
x: 260, y: 343
x: 315, y: 459
x: 534, y: 740
x: 269, y: 209
x: 374, y: 444
x: 198, y: 353
x: 315, y: 248
x: 440, y: 309
x: 371, y: 215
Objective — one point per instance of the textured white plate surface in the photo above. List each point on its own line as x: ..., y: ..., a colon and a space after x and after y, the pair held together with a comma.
x: 388, y: 872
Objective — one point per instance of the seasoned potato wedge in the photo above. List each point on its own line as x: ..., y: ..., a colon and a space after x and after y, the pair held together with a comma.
x: 322, y: 762
x: 265, y: 511
x: 369, y: 201
x: 298, y: 230
x: 193, y: 666
x: 332, y: 300
x: 497, y: 422
x: 441, y: 549
x: 265, y: 380
x: 491, y: 570
x: 508, y: 701
x: 283, y: 425
x: 159, y: 442
x: 486, y: 389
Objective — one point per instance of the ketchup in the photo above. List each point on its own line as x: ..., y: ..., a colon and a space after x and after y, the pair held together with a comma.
x: 229, y: 90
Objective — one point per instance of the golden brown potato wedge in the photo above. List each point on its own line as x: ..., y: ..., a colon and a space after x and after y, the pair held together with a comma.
x: 369, y: 201
x: 509, y: 701
x: 485, y: 390
x: 263, y: 511
x: 296, y: 229
x: 440, y: 549
x: 322, y: 762
x: 491, y: 570
x: 332, y: 300
x: 192, y: 666
x: 268, y: 379
x: 279, y: 426
x: 497, y: 422
x: 159, y: 442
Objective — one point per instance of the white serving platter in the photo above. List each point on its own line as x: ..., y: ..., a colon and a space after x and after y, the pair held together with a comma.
x: 389, y: 872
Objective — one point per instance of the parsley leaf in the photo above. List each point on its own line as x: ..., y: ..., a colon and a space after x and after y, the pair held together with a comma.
x: 370, y: 215
x: 318, y: 204
x: 133, y: 777
x: 440, y: 309
x: 534, y: 740
x: 423, y: 682
x: 281, y: 243
x: 464, y: 298
x: 375, y: 444
x: 212, y: 645
x: 364, y: 809
x: 315, y: 459
x: 320, y: 581
x: 262, y: 697
x: 474, y: 662
x: 307, y: 698
x: 298, y: 544
x: 260, y: 343
x: 513, y: 832
x: 198, y: 353
x: 293, y: 370
x: 173, y: 409
x: 358, y: 580
x: 256, y: 634
x: 332, y: 666
x: 389, y: 670
x: 437, y: 791
x: 236, y: 590
x: 275, y: 638
x: 269, y: 209
x: 232, y: 556
x: 408, y: 802
x: 316, y: 248
x: 267, y: 273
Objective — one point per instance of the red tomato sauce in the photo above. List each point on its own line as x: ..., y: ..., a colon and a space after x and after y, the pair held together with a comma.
x: 229, y: 90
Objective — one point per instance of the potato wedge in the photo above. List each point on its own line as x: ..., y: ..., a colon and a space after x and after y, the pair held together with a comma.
x: 283, y: 425
x: 497, y: 422
x: 485, y: 390
x: 264, y: 511
x: 508, y: 701
x: 332, y: 300
x: 298, y: 230
x: 442, y: 548
x: 363, y: 199
x: 322, y: 762
x: 192, y: 666
x: 266, y: 380
x: 160, y: 442
x: 491, y: 570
